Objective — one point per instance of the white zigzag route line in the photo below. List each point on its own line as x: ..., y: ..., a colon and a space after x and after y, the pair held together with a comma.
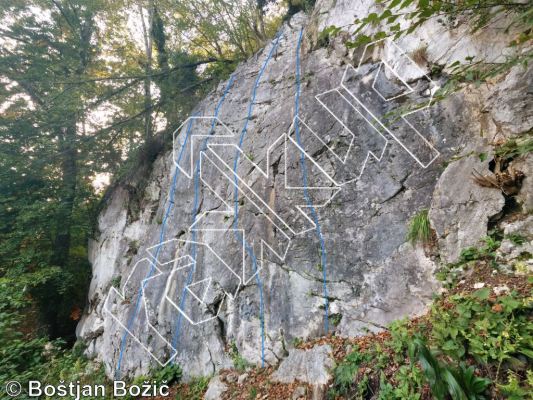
x: 266, y: 174
x: 187, y: 287
x: 431, y: 92
x: 192, y: 263
x: 245, y: 280
x: 183, y: 170
x: 392, y: 134
x: 369, y: 153
x: 413, y: 63
x: 200, y: 300
x: 383, y: 62
x: 263, y: 243
x: 122, y: 295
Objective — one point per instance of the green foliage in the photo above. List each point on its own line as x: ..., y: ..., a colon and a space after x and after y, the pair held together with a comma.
x: 487, y: 252
x: 515, y: 147
x: 327, y: 35
x: 464, y: 340
x: 409, y: 383
x: 460, y: 383
x: 399, y: 338
x: 516, y: 239
x: 21, y: 357
x: 138, y: 380
x: 295, y: 6
x: 419, y: 228
x: 25, y: 358
x: 239, y: 362
x: 115, y: 282
x: 252, y: 394
x: 355, y: 381
x: 226, y: 30
x: 346, y: 372
x: 362, y: 389
x: 335, y: 319
x: 513, y: 390
x: 386, y: 23
x: 489, y: 332
x: 71, y: 113
x: 170, y: 373
x: 480, y: 14
x: 386, y: 390
x: 297, y: 341
x: 197, y: 388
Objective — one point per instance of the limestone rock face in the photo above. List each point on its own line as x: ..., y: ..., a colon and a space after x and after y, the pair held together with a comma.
x: 172, y: 281
x: 470, y: 205
x: 215, y: 389
x: 310, y: 366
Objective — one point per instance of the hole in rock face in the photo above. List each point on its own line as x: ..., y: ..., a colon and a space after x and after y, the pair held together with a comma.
x: 511, y: 206
x: 222, y: 330
x: 492, y: 165
x: 503, y: 164
x: 510, y: 209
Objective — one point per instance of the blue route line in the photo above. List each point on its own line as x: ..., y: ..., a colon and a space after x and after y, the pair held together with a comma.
x: 314, y: 215
x: 248, y: 248
x: 195, y: 211
x: 161, y: 238
x: 238, y: 235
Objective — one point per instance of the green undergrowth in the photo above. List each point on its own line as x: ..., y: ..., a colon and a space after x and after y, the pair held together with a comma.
x: 239, y: 362
x: 43, y: 360
x: 24, y: 359
x: 472, y: 344
x: 194, y: 390
x: 470, y: 347
x: 170, y: 373
x: 449, y: 273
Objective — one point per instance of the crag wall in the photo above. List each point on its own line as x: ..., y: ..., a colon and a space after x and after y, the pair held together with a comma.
x: 282, y: 210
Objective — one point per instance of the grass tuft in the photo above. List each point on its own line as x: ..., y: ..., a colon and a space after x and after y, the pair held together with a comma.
x: 420, y: 55
x: 515, y: 147
x: 419, y: 228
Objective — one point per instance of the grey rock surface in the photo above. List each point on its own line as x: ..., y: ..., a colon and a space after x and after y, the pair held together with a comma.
x: 242, y: 378
x: 371, y: 275
x: 471, y: 206
x: 525, y: 197
x: 311, y: 366
x: 216, y: 389
x: 517, y: 246
x: 299, y: 393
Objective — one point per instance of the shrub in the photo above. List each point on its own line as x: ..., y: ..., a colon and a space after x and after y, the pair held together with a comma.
x: 197, y: 388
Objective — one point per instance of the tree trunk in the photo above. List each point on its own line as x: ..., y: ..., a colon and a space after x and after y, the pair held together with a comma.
x: 157, y: 33
x: 148, y: 71
x: 67, y: 195
x: 68, y: 151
